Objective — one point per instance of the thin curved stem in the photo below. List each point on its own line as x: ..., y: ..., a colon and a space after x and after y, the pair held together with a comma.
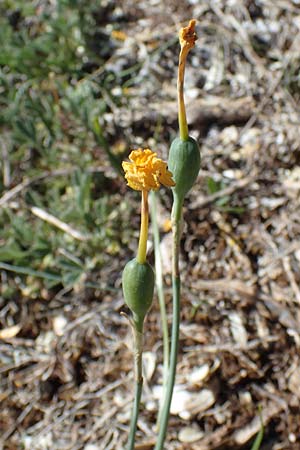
x: 182, y: 121
x: 161, y: 299
x: 176, y: 226
x: 138, y: 345
x: 142, y: 249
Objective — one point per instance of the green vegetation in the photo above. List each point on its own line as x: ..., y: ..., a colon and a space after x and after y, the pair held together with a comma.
x: 54, y: 93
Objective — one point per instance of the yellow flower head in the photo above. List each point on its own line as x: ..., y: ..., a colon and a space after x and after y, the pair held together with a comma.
x: 146, y: 171
x: 188, y: 36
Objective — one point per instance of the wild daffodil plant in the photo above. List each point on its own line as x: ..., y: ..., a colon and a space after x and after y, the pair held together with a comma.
x: 144, y: 172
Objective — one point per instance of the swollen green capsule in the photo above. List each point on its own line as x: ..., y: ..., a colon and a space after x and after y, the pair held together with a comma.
x: 184, y: 163
x: 138, y: 287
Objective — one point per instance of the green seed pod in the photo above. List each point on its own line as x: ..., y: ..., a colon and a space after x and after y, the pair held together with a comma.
x: 138, y: 287
x: 184, y: 163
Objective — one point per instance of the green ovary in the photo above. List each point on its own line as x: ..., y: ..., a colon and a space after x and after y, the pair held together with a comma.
x: 138, y: 287
x: 184, y: 163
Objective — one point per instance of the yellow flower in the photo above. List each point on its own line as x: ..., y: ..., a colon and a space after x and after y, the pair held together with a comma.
x: 188, y: 36
x: 146, y: 171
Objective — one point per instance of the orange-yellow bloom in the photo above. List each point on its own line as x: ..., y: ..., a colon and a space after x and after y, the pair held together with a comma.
x: 146, y: 171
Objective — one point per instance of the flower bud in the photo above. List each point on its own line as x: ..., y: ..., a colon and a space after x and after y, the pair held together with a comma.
x: 184, y: 163
x: 138, y: 287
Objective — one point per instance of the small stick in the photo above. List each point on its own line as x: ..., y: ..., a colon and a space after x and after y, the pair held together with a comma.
x: 44, y: 215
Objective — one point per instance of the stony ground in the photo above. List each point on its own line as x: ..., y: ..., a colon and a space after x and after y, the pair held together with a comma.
x: 66, y: 369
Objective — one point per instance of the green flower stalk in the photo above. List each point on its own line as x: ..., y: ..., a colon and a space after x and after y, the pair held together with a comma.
x: 161, y: 300
x: 143, y: 173
x: 184, y: 163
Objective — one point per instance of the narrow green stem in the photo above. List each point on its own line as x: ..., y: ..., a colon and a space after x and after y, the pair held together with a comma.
x: 182, y: 121
x: 142, y: 249
x: 161, y: 299
x: 176, y: 226
x: 135, y: 413
x: 138, y: 346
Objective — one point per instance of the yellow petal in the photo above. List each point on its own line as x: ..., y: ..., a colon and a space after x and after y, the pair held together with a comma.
x: 146, y: 171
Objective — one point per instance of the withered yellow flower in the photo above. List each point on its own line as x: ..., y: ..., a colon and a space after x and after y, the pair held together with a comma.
x: 187, y: 39
x: 188, y: 36
x: 146, y: 171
